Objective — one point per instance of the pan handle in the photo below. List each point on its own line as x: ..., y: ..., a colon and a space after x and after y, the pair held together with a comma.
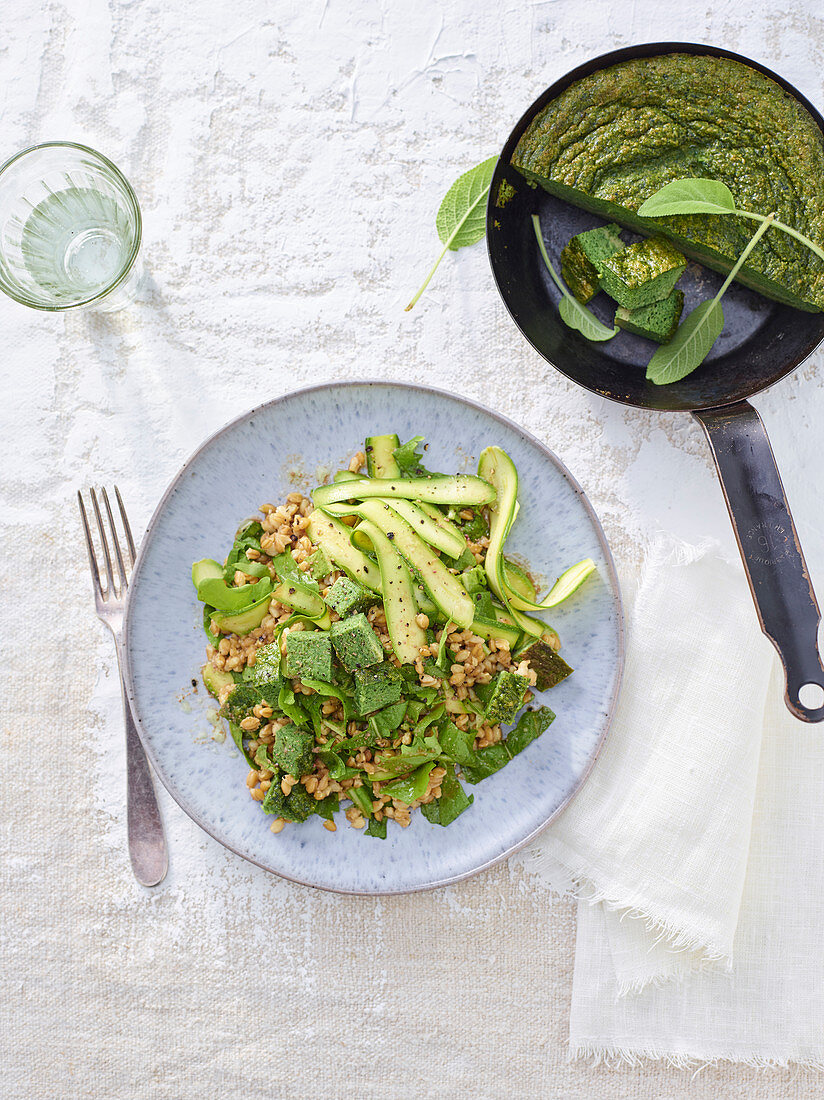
x: 764, y: 529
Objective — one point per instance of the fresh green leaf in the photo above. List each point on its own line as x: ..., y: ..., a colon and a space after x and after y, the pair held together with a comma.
x: 452, y: 802
x: 288, y: 706
x: 689, y: 196
x: 338, y: 768
x: 384, y: 722
x: 529, y: 726
x: 390, y: 767
x: 287, y: 569
x: 412, y: 787
x: 362, y: 739
x: 327, y: 807
x: 440, y: 660
x: 572, y: 312
x: 409, y: 461
x: 698, y: 332
x: 427, y: 720
x: 701, y: 196
x: 690, y: 345
x: 330, y: 691
x: 237, y: 736
x: 486, y: 762
x: 457, y: 744
x: 461, y: 218
x: 361, y: 798
x: 376, y: 828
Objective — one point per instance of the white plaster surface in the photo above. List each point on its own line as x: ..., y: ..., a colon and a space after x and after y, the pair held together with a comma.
x: 289, y: 158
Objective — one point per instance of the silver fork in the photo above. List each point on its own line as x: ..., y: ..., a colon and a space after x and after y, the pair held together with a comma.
x: 147, y: 842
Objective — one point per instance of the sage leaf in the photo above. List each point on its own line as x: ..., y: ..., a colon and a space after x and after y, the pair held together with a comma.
x: 689, y: 196
x: 696, y: 334
x: 572, y: 312
x: 690, y: 345
x: 461, y: 217
x: 700, y: 196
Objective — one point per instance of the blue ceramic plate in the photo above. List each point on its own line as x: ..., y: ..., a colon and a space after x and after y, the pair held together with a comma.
x: 293, y: 442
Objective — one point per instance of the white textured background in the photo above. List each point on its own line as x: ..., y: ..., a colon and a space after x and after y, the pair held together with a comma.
x: 289, y: 159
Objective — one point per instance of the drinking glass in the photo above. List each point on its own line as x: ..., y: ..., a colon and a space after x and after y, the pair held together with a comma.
x: 70, y: 229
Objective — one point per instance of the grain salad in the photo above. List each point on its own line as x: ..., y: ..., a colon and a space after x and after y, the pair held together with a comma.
x: 369, y: 646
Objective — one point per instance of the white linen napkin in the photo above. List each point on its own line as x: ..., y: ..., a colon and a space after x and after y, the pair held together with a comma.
x: 697, y: 844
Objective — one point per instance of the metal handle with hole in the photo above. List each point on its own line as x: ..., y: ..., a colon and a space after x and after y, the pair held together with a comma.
x: 767, y: 539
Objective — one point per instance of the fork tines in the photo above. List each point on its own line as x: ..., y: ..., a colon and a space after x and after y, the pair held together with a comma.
x: 113, y: 588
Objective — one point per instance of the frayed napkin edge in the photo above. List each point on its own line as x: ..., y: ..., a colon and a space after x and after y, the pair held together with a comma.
x: 613, y: 1057
x: 580, y: 885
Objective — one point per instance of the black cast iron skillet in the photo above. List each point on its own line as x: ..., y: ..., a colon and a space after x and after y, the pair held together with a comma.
x: 762, y: 342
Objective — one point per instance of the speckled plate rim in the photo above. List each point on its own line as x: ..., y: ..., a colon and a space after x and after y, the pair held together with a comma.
x: 615, y: 588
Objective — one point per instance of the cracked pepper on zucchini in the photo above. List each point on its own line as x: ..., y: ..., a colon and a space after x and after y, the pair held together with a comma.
x: 369, y: 645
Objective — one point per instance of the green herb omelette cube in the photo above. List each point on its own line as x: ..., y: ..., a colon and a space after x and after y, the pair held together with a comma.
x: 377, y: 687
x: 643, y: 273
x: 548, y: 666
x: 503, y: 696
x: 266, y: 669
x: 582, y: 258
x: 291, y: 751
x: 356, y: 643
x: 347, y: 597
x: 658, y: 321
x: 297, y: 806
x: 309, y: 655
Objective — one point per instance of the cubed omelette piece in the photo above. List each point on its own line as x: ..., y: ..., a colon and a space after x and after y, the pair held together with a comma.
x: 266, y: 669
x: 581, y: 259
x: 658, y: 321
x: 503, y: 696
x: 356, y: 643
x: 347, y: 597
x: 377, y: 687
x: 645, y: 272
x: 309, y: 655
x: 291, y: 751
x: 548, y: 666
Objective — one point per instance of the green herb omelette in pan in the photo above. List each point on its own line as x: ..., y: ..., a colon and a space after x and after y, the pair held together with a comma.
x: 370, y: 645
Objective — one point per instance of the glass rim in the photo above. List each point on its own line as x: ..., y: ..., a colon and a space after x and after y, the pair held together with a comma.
x: 130, y: 194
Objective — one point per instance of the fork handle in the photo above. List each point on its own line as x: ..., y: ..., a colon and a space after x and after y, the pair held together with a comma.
x: 147, y: 840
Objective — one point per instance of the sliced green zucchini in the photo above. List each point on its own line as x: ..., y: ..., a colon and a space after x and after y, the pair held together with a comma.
x: 517, y: 580
x: 215, y: 679
x: 444, y: 489
x: 335, y: 538
x: 425, y: 603
x: 496, y: 467
x: 380, y: 456
x: 206, y: 569
x: 399, y: 604
x: 568, y: 582
x: 217, y: 593
x: 533, y: 628
x: 443, y: 588
x: 242, y: 622
x: 302, y: 599
x: 439, y: 533
x: 491, y: 628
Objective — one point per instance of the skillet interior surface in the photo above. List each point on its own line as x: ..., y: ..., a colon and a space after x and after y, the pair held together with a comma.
x: 761, y: 342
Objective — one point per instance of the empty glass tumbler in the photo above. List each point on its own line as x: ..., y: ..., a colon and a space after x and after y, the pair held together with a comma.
x: 70, y: 229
